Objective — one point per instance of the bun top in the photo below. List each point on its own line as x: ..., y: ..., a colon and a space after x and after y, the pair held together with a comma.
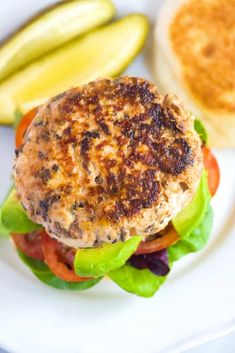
x: 202, y: 35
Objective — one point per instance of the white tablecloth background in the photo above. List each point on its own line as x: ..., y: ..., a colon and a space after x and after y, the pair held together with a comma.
x: 222, y: 345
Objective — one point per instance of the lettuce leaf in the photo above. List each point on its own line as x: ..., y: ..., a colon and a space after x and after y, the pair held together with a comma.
x: 140, y: 282
x: 14, y: 217
x: 199, y: 127
x: 17, y: 118
x: 44, y: 274
x: 195, y: 241
x: 4, y: 232
x: 157, y: 262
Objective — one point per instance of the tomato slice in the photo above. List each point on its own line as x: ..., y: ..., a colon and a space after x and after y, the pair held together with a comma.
x: 58, y: 258
x: 30, y: 244
x: 213, y: 170
x: 53, y: 259
x: 160, y: 243
x: 23, y: 125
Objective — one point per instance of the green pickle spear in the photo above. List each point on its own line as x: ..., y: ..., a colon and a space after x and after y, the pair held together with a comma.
x: 97, y: 262
x: 51, y: 28
x: 104, y: 52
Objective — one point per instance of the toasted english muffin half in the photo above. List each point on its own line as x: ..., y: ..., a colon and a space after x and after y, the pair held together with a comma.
x: 194, y: 56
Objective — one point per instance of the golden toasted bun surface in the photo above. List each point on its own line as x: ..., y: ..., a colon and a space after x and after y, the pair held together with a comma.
x: 108, y: 160
x: 202, y: 34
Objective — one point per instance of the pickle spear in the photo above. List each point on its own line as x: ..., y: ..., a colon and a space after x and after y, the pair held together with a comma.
x: 50, y: 29
x: 104, y: 52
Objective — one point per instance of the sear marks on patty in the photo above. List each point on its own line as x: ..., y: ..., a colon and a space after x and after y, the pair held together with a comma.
x: 108, y: 161
x: 84, y: 145
x: 141, y: 191
x: 173, y: 158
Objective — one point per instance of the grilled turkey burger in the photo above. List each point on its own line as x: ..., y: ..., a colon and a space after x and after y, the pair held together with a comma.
x: 114, y: 175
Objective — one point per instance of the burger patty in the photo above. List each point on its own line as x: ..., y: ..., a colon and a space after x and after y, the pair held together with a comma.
x: 107, y: 161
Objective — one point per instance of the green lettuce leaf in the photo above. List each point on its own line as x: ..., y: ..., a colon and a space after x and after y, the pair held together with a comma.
x: 17, y: 118
x: 44, y: 274
x: 14, y: 217
x: 4, y: 232
x: 195, y: 241
x: 140, y: 282
x: 96, y: 262
x: 198, y: 126
x: 192, y: 215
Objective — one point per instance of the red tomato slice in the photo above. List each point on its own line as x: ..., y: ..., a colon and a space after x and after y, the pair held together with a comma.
x: 23, y: 125
x: 213, y: 170
x: 163, y: 242
x: 52, y: 254
x: 30, y: 244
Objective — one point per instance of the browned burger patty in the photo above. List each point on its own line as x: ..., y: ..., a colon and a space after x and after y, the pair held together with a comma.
x: 108, y: 160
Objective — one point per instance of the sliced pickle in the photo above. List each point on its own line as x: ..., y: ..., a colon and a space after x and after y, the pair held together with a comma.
x: 104, y: 52
x: 50, y: 29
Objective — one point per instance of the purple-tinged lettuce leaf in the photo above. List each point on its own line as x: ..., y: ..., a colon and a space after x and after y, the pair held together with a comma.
x: 156, y: 262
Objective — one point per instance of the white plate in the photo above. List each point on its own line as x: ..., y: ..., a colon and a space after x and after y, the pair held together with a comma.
x: 195, y: 305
